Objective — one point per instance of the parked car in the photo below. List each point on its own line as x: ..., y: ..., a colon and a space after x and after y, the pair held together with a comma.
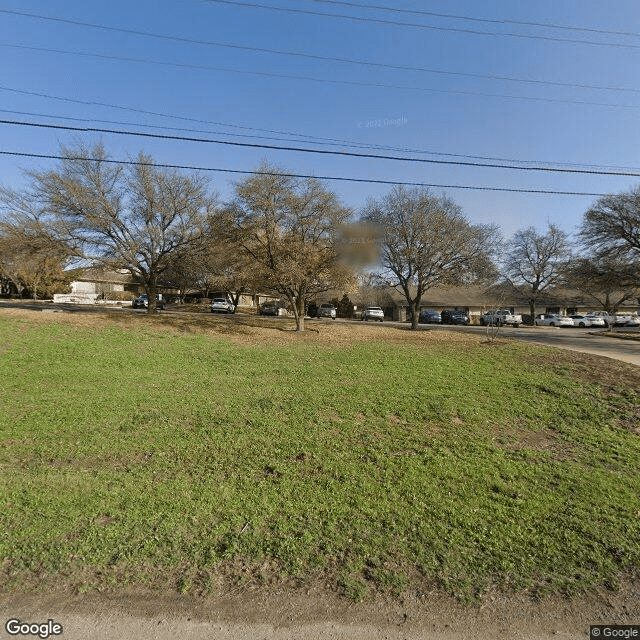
x: 373, y: 313
x: 269, y: 309
x: 429, y: 316
x: 222, y: 305
x: 615, y: 319
x: 327, y: 310
x: 580, y: 320
x: 498, y: 317
x: 455, y: 316
x: 553, y: 320
x: 142, y: 302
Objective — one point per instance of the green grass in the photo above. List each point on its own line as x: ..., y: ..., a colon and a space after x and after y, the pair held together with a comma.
x: 133, y: 456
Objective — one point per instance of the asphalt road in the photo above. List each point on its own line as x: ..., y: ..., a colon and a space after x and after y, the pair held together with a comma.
x: 594, y: 341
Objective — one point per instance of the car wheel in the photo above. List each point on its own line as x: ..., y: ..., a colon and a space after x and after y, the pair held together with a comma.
x: 551, y: 324
x: 581, y: 324
x: 515, y: 325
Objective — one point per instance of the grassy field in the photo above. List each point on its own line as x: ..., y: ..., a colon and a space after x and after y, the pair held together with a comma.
x: 165, y: 458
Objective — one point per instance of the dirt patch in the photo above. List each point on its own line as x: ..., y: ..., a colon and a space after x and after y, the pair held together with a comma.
x: 544, y: 440
x: 307, y: 611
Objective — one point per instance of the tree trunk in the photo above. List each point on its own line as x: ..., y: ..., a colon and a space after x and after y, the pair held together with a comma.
x: 152, y: 293
x: 415, y: 316
x: 532, y: 310
x: 298, y: 310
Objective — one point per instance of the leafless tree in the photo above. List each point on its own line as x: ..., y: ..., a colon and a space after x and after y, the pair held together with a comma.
x: 229, y: 267
x: 611, y: 227
x: 287, y: 226
x: 30, y: 256
x: 535, y: 261
x: 131, y: 217
x: 426, y: 241
x: 607, y: 281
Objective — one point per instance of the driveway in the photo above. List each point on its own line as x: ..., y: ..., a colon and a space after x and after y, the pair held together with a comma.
x: 595, y: 342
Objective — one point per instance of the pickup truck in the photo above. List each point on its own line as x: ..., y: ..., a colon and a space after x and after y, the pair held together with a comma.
x: 498, y: 317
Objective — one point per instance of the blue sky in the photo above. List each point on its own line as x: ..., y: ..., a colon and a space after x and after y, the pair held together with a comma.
x: 432, y: 92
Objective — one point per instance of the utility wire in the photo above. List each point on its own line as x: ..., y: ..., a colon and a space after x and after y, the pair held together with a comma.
x: 527, y: 23
x: 227, y: 45
x: 445, y: 72
x: 299, y: 175
x: 414, y: 25
x: 366, y: 84
x: 323, y: 141
x: 312, y: 139
x: 492, y: 165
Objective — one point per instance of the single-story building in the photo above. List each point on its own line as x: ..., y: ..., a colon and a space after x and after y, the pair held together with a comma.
x: 476, y: 300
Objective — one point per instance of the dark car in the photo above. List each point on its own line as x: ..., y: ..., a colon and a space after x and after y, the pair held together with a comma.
x: 429, y: 316
x: 142, y: 302
x: 455, y: 316
x: 269, y: 309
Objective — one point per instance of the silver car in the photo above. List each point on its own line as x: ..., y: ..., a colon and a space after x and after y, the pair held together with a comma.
x: 373, y: 313
x: 220, y: 305
x: 327, y: 310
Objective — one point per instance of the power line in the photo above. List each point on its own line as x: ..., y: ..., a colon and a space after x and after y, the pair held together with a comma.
x: 396, y: 23
x: 299, y: 175
x: 527, y: 23
x: 315, y: 139
x: 492, y: 165
x: 378, y: 85
x: 297, y: 54
x: 445, y: 72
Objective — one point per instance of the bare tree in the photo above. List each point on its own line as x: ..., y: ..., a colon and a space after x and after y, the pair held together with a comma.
x: 611, y: 227
x: 131, y: 217
x: 426, y: 241
x: 229, y: 267
x: 30, y: 256
x: 288, y: 228
x: 535, y: 262
x: 607, y: 281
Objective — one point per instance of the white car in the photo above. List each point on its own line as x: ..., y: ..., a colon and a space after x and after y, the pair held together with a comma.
x: 373, y: 313
x: 616, y: 320
x: 220, y: 305
x: 580, y: 320
x: 552, y: 320
x: 327, y: 310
